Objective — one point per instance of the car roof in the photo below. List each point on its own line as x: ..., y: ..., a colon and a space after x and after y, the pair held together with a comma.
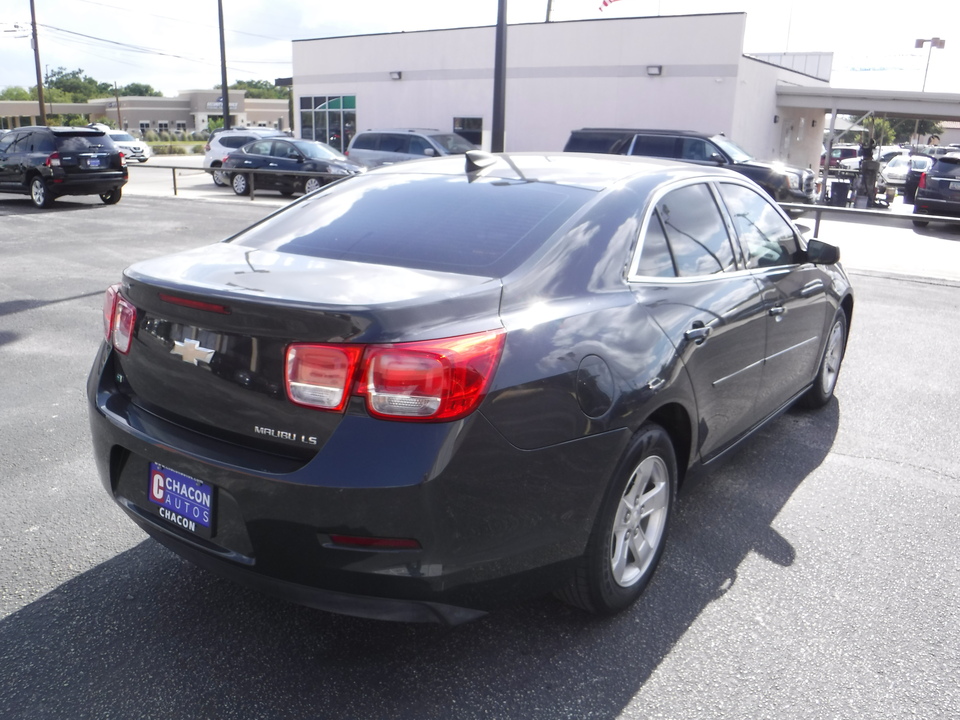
x: 596, y: 171
x: 427, y: 131
x: 650, y: 131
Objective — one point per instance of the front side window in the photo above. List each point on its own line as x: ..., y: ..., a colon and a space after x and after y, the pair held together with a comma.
x: 695, y: 231
x: 766, y: 238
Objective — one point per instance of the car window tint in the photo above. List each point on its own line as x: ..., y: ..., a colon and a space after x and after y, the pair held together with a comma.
x: 655, y: 258
x: 394, y: 143
x: 418, y: 146
x: 696, y: 232
x: 663, y: 146
x: 6, y: 142
x: 234, y: 141
x: 261, y: 147
x: 486, y: 227
x: 365, y: 141
x: 694, y: 149
x: 947, y: 167
x: 83, y: 142
x: 767, y: 239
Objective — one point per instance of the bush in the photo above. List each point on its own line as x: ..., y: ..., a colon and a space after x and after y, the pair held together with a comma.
x: 169, y: 150
x: 199, y: 149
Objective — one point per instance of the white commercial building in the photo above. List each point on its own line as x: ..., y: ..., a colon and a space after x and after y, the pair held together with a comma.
x: 679, y: 72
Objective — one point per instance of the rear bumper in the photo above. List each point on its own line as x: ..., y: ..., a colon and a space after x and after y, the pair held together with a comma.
x: 933, y: 206
x: 86, y: 184
x: 495, y: 524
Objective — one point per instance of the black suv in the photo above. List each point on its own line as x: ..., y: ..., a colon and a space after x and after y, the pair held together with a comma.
x: 47, y: 162
x: 782, y: 183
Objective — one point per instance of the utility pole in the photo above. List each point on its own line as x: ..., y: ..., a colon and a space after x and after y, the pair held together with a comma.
x: 116, y: 94
x: 223, y: 71
x: 36, y: 59
x: 499, y: 78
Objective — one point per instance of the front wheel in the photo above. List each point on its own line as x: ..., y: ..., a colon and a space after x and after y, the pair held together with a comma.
x: 631, y: 528
x: 240, y: 184
x: 112, y: 197
x: 312, y: 185
x: 829, y: 371
x: 39, y: 193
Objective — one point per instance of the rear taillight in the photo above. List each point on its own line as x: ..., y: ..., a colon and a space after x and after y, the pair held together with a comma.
x: 318, y: 376
x: 431, y: 380
x: 53, y: 160
x: 922, y: 183
x: 206, y: 148
x: 119, y: 319
x: 123, y: 160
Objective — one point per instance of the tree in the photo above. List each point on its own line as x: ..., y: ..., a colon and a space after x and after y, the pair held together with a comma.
x: 260, y: 89
x: 76, y: 85
x: 15, y: 93
x: 139, y: 90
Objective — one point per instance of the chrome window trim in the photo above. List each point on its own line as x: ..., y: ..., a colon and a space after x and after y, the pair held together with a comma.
x: 712, y: 181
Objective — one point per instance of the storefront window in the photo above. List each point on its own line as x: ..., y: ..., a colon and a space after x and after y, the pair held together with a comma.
x: 330, y: 119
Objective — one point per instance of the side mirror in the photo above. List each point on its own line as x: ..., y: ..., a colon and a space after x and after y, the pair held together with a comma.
x: 821, y: 253
x: 718, y: 158
x: 429, y: 152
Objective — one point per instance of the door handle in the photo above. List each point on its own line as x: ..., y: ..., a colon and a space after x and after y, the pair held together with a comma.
x: 698, y: 333
x: 777, y: 310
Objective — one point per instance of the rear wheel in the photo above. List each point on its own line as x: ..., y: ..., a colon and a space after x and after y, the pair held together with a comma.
x: 631, y: 528
x: 921, y: 223
x: 826, y: 380
x: 240, y: 184
x: 39, y: 193
x: 220, y: 178
x: 112, y: 197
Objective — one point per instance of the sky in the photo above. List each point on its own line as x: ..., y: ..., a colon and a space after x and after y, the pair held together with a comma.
x: 175, y: 45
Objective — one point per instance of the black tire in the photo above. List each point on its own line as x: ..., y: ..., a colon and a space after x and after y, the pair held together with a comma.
x: 240, y: 184
x: 112, y: 197
x: 829, y: 370
x: 631, y: 527
x: 39, y: 193
x: 921, y: 223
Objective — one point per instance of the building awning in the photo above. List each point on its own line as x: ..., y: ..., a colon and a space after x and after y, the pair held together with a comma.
x: 918, y: 105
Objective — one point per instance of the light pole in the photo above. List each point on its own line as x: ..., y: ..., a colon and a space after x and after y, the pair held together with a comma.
x: 934, y: 42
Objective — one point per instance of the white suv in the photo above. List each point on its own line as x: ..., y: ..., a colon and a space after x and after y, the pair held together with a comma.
x: 224, y: 142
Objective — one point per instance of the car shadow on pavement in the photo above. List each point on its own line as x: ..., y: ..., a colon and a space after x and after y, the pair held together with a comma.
x: 149, y: 635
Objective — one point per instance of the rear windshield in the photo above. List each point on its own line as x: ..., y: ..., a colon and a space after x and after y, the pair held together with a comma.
x: 430, y: 222
x: 83, y: 142
x: 947, y: 167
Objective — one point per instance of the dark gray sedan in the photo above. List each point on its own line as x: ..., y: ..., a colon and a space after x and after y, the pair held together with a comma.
x: 448, y: 384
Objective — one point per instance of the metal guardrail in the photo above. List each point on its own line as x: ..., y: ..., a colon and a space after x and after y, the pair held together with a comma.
x: 818, y: 210
x: 235, y: 171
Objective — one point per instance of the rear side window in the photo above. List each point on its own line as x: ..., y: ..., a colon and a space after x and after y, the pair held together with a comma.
x: 365, y: 141
x: 663, y: 146
x: 431, y: 222
x: 6, y: 142
x: 235, y: 141
x: 394, y: 143
x: 655, y: 258
x: 696, y: 232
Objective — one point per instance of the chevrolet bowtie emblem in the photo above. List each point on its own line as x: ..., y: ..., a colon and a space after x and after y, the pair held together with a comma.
x: 190, y: 351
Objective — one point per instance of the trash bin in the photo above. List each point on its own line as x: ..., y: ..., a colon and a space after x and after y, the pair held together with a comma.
x: 839, y: 192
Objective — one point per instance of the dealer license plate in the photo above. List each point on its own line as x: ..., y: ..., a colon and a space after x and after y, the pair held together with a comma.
x: 182, y: 500
x: 955, y: 186
x: 93, y: 162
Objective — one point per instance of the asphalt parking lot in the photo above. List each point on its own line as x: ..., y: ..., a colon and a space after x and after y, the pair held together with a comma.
x: 814, y: 574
